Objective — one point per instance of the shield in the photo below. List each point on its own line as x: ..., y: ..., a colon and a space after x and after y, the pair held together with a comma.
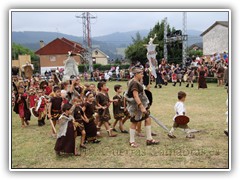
x: 28, y: 71
x: 185, y: 77
x: 182, y: 120
x: 34, y: 112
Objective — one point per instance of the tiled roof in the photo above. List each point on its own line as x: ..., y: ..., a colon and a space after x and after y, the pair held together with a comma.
x: 60, y: 46
x: 223, y: 23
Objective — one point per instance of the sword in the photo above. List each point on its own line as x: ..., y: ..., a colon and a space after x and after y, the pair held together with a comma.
x: 159, y: 123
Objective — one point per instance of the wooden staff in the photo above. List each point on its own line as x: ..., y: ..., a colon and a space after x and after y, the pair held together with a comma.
x: 53, y: 127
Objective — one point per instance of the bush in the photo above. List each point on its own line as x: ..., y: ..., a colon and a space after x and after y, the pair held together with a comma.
x: 100, y: 67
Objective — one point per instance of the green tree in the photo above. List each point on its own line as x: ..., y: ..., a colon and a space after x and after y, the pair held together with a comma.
x: 18, y: 49
x: 195, y: 53
x: 137, y: 51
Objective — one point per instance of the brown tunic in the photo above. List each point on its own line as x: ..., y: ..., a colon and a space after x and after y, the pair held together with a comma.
x: 132, y: 107
x: 90, y: 127
x: 56, y: 107
x: 103, y: 100
x: 66, y: 143
x: 78, y: 113
x: 118, y: 110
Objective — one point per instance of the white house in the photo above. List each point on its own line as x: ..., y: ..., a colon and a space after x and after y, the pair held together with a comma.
x: 99, y: 57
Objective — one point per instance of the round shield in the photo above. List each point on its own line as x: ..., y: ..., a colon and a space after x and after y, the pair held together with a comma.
x: 182, y: 120
x: 34, y: 112
x: 185, y: 77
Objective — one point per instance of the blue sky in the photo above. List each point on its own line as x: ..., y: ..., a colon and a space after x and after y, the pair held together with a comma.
x: 110, y: 22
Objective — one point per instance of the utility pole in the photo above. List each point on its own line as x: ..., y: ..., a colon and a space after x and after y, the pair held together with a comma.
x: 87, y: 40
x: 184, y: 39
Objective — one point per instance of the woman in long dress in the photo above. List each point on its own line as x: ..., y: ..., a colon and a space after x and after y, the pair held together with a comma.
x: 201, y: 78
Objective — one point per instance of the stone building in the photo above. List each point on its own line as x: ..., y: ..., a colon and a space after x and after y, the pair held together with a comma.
x: 216, y: 38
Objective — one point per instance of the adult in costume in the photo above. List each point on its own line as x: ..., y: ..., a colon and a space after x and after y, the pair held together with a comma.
x: 137, y: 107
x: 201, y: 78
x: 70, y: 67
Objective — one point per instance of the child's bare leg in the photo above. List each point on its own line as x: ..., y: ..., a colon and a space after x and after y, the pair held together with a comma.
x: 114, y: 124
x: 170, y: 134
x: 83, y: 139
x: 96, y: 119
x: 124, y: 120
x: 40, y: 119
x: 22, y: 122
x: 109, y: 130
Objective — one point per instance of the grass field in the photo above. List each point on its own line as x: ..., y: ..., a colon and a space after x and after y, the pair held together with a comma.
x: 32, y: 147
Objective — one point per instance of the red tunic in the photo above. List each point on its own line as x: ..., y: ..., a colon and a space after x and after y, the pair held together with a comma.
x: 32, y: 100
x: 48, y: 90
x: 42, y: 105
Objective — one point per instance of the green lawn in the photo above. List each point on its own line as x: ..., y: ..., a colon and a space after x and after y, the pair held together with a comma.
x: 32, y: 147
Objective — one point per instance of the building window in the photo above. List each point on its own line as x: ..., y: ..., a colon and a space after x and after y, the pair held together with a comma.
x: 94, y: 60
x: 96, y: 52
x: 52, y: 58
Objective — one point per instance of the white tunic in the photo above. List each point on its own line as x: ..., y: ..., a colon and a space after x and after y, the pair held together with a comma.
x: 179, y: 109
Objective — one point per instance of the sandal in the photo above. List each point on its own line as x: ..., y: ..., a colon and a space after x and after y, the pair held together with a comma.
x: 113, y: 135
x: 77, y: 154
x: 110, y: 133
x: 171, y: 136
x: 153, y: 134
x: 133, y: 144
x: 96, y: 141
x: 82, y: 146
x: 190, y: 136
x: 124, y: 131
x: 58, y: 153
x: 152, y: 142
x: 226, y: 132
x: 140, y: 135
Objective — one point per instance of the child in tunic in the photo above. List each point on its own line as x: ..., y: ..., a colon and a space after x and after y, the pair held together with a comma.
x: 41, y: 107
x: 179, y: 109
x: 21, y: 107
x: 80, y: 118
x: 89, y: 124
x: 55, y: 107
x: 66, y: 137
x: 103, y: 102
x: 118, y: 109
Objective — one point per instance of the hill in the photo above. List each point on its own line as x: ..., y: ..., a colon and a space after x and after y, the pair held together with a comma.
x: 110, y: 44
